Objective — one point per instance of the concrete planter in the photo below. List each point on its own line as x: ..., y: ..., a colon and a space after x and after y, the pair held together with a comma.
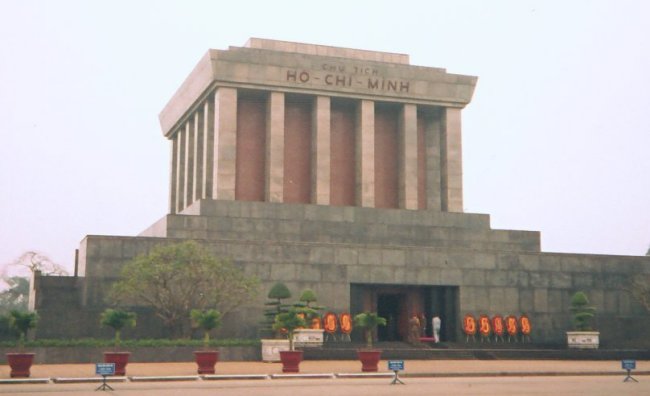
x: 583, y: 339
x: 20, y: 364
x: 121, y: 359
x: 271, y: 349
x: 369, y: 360
x: 291, y: 361
x: 205, y: 360
x: 308, y: 338
x: 72, y: 355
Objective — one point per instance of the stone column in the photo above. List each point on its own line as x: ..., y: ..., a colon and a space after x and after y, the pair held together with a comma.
x: 365, y: 154
x: 189, y: 161
x: 198, y: 132
x: 208, y: 146
x: 180, y: 169
x: 274, y: 186
x: 225, y: 143
x: 432, y: 132
x: 173, y: 174
x: 452, y: 169
x: 321, y: 151
x: 408, y: 157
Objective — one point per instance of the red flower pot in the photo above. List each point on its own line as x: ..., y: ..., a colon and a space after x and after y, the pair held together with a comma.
x: 369, y: 360
x: 205, y: 361
x: 291, y: 361
x: 121, y: 359
x: 20, y: 364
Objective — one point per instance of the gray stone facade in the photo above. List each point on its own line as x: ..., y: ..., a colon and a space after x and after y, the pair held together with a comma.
x: 330, y: 248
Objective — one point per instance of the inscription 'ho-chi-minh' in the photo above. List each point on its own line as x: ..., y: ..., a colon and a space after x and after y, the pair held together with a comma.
x: 373, y: 82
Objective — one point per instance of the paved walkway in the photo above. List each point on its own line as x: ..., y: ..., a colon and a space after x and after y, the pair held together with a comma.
x: 466, y: 368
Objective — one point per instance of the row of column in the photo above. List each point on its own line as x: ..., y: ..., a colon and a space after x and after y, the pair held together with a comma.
x: 204, y: 154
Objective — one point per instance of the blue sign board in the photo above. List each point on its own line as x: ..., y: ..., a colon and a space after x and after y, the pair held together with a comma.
x: 628, y: 364
x: 105, y: 368
x: 396, y: 365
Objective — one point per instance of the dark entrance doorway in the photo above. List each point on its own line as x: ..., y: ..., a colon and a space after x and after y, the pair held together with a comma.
x: 390, y: 307
x: 397, y: 303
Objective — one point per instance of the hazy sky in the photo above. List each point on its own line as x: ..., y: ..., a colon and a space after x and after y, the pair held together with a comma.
x: 556, y: 139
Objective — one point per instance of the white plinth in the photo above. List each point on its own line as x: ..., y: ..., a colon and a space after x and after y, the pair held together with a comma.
x: 308, y: 338
x: 583, y: 339
x: 271, y: 349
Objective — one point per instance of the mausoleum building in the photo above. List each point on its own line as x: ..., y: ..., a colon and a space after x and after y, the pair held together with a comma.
x: 340, y: 170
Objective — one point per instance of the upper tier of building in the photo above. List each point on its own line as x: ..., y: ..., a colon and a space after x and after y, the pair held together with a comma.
x: 316, y: 69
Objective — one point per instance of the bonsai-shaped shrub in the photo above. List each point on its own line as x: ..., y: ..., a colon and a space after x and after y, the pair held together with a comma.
x: 304, y: 305
x: 278, y: 292
x: 289, y: 321
x: 368, y: 322
x: 206, y: 320
x: 21, y: 322
x: 307, y: 297
x: 582, y: 311
x: 117, y: 320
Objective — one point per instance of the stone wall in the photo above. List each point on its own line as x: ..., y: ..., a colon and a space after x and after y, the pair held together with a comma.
x: 328, y: 248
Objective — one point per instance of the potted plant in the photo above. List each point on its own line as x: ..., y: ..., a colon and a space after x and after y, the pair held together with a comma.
x: 312, y: 335
x: 288, y: 322
x: 206, y: 320
x: 271, y: 344
x: 368, y: 322
x: 20, y: 362
x: 583, y: 336
x: 117, y: 320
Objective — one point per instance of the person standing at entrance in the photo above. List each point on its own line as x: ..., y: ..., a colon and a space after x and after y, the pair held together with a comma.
x: 423, y: 325
x: 435, y: 324
x: 414, y: 330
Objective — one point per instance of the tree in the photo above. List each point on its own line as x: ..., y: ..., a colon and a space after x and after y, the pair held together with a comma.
x: 174, y: 279
x: 278, y: 292
x: 206, y: 320
x: 307, y: 297
x: 368, y: 322
x: 16, y: 296
x: 583, y: 313
x: 14, y: 278
x: 640, y: 289
x: 22, y: 322
x: 305, y: 303
x: 35, y: 261
x: 289, y: 321
x: 117, y: 320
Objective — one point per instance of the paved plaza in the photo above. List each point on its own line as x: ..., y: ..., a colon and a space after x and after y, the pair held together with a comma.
x: 422, y: 377
x: 412, y: 368
x: 522, y: 385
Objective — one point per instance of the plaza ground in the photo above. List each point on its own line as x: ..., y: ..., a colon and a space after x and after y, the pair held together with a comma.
x: 466, y: 377
x: 413, y: 368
